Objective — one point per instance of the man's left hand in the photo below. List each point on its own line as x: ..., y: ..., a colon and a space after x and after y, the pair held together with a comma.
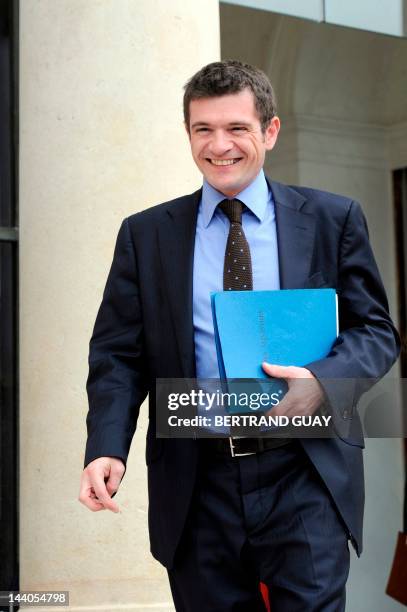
x: 302, y: 398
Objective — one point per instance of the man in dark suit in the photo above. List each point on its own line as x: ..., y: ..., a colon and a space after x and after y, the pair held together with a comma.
x: 224, y: 517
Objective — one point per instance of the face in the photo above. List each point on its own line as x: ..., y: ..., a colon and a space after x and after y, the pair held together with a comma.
x: 227, y: 143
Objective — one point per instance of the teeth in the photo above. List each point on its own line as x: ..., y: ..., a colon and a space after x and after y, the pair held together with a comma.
x: 223, y: 162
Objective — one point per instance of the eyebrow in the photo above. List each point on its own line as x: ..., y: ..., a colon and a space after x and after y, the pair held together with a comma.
x: 230, y: 124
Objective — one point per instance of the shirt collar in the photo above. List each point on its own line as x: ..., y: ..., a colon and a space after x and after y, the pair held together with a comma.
x: 255, y: 196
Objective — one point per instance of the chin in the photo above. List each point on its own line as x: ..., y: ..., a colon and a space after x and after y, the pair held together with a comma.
x: 223, y: 185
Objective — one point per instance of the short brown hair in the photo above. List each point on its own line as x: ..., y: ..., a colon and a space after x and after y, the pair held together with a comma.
x: 228, y: 77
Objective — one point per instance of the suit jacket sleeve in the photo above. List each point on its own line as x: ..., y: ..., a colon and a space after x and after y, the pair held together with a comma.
x: 116, y: 384
x: 368, y: 343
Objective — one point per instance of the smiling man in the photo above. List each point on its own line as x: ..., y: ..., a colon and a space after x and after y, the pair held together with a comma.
x: 228, y: 142
x: 227, y: 514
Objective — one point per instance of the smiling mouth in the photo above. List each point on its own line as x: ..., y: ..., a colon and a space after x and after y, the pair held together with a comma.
x: 223, y: 162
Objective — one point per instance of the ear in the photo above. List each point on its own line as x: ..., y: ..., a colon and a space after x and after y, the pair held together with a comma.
x: 271, y: 133
x: 187, y: 130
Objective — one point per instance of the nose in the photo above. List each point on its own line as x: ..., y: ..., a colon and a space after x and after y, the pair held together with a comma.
x: 221, y: 143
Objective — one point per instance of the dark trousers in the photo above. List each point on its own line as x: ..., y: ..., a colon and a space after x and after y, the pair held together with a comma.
x: 261, y: 518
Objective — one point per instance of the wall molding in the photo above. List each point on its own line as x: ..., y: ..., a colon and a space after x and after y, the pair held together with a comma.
x: 349, y: 144
x: 326, y: 141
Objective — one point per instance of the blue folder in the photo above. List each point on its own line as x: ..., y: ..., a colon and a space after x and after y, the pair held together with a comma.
x: 284, y: 327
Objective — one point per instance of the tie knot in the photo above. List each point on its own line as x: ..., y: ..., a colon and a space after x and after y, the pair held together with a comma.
x: 232, y: 209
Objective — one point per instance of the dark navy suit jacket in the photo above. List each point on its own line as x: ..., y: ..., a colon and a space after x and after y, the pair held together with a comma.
x: 144, y: 331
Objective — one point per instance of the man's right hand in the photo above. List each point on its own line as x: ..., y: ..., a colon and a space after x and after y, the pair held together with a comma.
x: 100, y: 480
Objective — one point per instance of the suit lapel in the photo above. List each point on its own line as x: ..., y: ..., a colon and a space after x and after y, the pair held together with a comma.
x: 295, y: 236
x: 176, y: 238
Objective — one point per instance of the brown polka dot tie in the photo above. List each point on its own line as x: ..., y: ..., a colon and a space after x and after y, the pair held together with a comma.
x: 237, y: 269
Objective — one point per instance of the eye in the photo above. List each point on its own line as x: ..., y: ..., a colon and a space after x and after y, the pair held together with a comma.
x: 239, y: 128
x: 202, y: 129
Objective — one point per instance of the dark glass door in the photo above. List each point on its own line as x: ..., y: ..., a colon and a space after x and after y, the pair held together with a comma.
x: 8, y: 298
x: 400, y: 210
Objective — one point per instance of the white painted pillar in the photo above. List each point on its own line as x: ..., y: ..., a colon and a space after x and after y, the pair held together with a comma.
x: 101, y: 137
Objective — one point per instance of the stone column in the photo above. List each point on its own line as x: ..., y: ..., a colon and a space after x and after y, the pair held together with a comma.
x: 101, y: 137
